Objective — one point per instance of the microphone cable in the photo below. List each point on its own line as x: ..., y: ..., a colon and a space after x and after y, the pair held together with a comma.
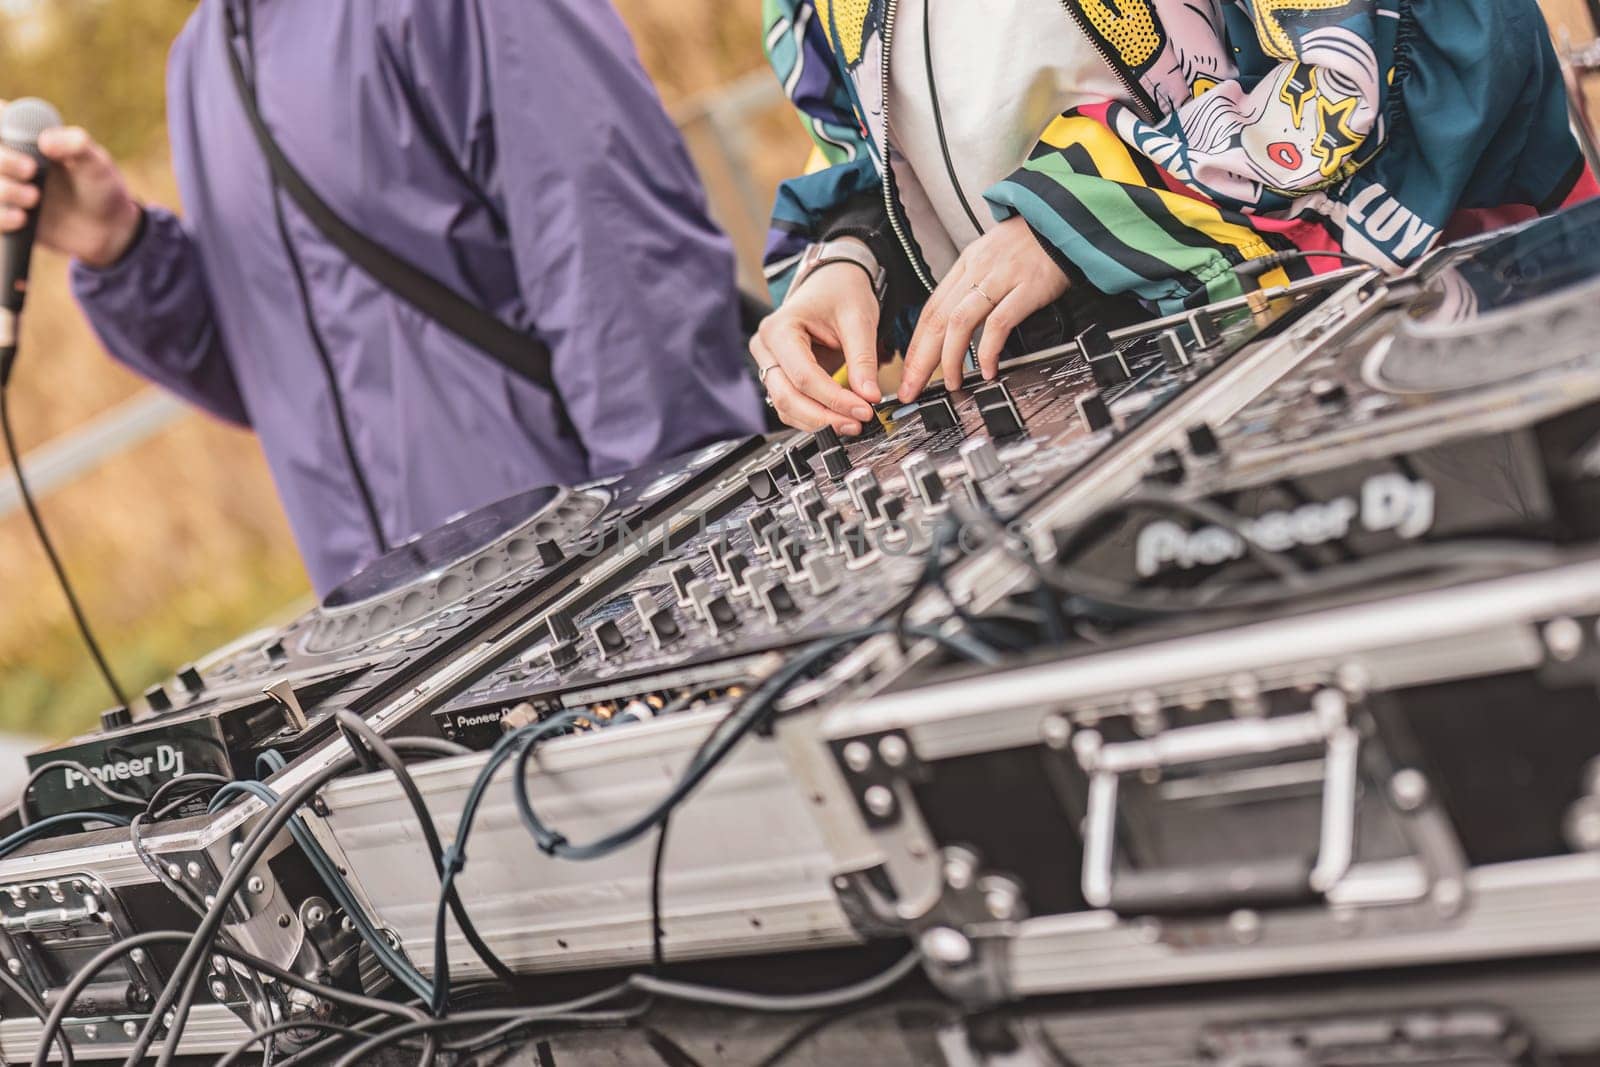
x: 8, y: 359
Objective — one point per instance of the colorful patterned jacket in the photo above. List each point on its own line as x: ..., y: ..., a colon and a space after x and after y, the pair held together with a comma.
x: 1256, y: 126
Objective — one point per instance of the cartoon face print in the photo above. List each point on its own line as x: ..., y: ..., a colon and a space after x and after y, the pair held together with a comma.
x: 1300, y: 129
x: 1280, y: 139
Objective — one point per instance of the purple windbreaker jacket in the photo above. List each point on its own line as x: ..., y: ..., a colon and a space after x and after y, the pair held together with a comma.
x: 513, y: 149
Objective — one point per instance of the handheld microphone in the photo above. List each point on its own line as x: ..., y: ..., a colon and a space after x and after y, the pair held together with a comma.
x: 21, y: 123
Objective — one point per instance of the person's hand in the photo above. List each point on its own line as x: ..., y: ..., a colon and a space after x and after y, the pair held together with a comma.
x: 832, y: 318
x: 88, y: 212
x: 1000, y: 279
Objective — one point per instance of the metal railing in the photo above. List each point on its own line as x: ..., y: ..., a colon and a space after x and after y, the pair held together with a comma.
x: 714, y: 125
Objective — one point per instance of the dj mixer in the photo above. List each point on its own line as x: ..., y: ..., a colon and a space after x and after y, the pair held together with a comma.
x: 1255, y: 640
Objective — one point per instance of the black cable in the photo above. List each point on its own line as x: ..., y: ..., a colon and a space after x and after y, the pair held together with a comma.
x: 200, y: 779
x: 182, y: 892
x: 37, y: 1007
x: 264, y: 1035
x: 1255, y: 268
x: 183, y: 986
x: 254, y: 847
x: 97, y: 963
x: 357, y: 727
x: 754, y: 709
x: 365, y: 1053
x: 94, y: 783
x: 658, y: 948
x: 49, y: 547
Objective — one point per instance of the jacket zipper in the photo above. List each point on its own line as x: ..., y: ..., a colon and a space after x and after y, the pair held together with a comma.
x: 1136, y: 92
x: 890, y: 7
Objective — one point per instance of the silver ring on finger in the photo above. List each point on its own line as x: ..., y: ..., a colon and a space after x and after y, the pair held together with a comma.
x: 761, y: 375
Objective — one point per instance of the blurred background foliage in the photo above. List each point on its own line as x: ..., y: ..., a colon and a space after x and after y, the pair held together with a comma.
x: 178, y: 545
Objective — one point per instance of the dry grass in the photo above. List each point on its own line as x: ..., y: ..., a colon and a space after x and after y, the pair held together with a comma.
x: 179, y: 545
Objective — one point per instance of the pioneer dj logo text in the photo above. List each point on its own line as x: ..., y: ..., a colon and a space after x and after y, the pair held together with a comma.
x: 166, y: 761
x: 1388, y: 503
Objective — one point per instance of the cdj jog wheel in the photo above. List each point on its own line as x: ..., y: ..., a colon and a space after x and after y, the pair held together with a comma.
x: 449, y: 564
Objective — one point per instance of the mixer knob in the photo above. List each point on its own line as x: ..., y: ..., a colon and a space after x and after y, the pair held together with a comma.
x: 872, y: 503
x: 891, y: 509
x: 858, y: 545
x: 799, y: 466
x: 981, y: 459
x: 717, y: 551
x: 792, y: 554
x: 276, y: 653
x: 656, y: 620
x: 1173, y: 353
x: 1094, y: 411
x: 559, y: 627
x: 774, y: 598
x: 808, y: 505
x: 190, y: 681
x: 857, y: 483
x: 832, y: 529
x: 834, y: 456
x: 682, y: 575
x: 1096, y: 343
x: 700, y: 591
x: 1328, y: 394
x: 608, y: 637
x: 1001, y: 415
x: 822, y: 574
x: 1205, y: 330
x: 1203, y: 440
x: 763, y: 486
x: 770, y: 537
x: 1110, y: 371
x: 938, y: 415
x: 738, y: 565
x: 1106, y: 363
x: 758, y: 521
x: 564, y: 654
x: 922, y: 478
x: 115, y: 719
x: 549, y: 553
x: 720, y: 615
x: 160, y: 703
x: 1167, y: 467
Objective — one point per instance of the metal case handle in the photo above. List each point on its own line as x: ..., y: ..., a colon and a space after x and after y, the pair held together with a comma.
x: 1272, y: 881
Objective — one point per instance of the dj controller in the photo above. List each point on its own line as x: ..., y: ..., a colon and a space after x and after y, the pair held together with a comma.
x: 1253, y: 641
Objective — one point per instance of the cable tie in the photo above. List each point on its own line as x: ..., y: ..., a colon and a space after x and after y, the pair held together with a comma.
x: 552, y: 842
x: 453, y: 859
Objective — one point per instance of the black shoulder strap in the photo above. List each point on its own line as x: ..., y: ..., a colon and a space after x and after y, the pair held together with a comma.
x: 518, y: 352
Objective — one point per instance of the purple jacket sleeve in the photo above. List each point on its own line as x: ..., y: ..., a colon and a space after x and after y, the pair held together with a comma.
x: 621, y: 270
x: 152, y: 311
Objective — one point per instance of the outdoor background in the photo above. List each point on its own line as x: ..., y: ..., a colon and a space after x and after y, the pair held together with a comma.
x: 177, y: 545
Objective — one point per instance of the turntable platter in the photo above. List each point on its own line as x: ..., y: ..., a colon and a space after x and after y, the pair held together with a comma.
x: 446, y: 565
x: 1499, y: 310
